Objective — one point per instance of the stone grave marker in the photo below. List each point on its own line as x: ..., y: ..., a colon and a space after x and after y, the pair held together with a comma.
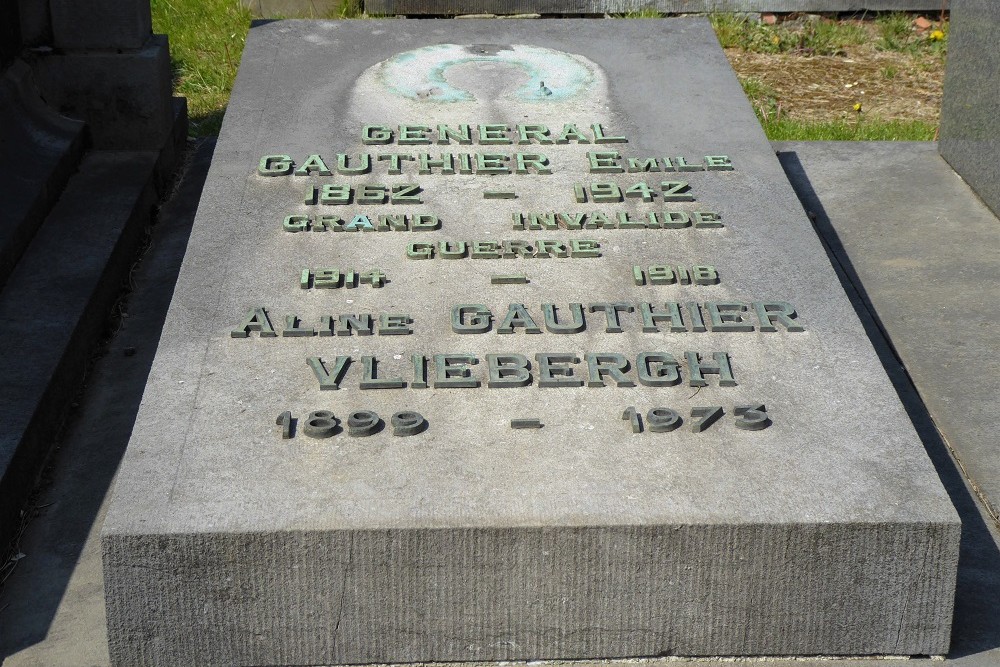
x: 505, y: 341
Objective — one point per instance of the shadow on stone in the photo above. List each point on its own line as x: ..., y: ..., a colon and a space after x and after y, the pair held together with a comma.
x: 68, y: 504
x: 207, y: 124
x: 976, y: 624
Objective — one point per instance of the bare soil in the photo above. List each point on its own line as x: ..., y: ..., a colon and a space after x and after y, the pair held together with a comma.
x: 890, y: 85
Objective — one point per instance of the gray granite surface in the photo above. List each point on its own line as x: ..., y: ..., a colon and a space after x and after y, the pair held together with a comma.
x: 970, y: 120
x: 52, y: 603
x: 84, y: 246
x: 827, y: 532
x: 29, y: 127
x: 926, y: 253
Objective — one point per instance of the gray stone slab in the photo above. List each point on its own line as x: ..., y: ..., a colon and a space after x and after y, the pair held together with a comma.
x: 53, y: 310
x: 124, y: 97
x: 36, y: 22
x: 826, y: 533
x: 970, y: 123
x: 925, y: 251
x: 52, y: 607
x: 10, y: 34
x: 504, y: 7
x: 30, y: 187
x: 100, y: 24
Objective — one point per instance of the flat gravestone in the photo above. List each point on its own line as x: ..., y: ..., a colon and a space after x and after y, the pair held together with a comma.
x: 511, y: 341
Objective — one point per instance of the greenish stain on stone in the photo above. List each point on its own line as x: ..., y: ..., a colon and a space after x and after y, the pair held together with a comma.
x: 422, y: 74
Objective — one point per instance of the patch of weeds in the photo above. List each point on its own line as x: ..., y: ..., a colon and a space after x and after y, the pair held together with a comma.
x: 763, y: 98
x: 644, y: 13
x: 936, y: 40
x: 819, y: 36
x: 730, y: 29
x: 889, y: 72
x: 736, y: 31
x: 827, y: 38
x: 895, y: 31
x: 348, y: 9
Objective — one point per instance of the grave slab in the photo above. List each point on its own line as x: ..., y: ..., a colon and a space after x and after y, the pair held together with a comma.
x: 803, y: 518
x: 28, y: 126
x: 930, y: 259
x: 52, y: 606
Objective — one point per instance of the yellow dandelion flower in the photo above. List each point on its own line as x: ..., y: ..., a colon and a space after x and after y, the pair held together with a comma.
x: 935, y: 36
x: 776, y: 40
x: 857, y: 107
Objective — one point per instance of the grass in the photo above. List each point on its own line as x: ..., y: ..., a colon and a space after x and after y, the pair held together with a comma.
x: 207, y: 39
x: 344, y: 9
x: 350, y: 9
x: 644, y: 13
x: 859, y: 127
x: 821, y: 36
x: 895, y: 33
x: 762, y: 97
x: 206, y: 42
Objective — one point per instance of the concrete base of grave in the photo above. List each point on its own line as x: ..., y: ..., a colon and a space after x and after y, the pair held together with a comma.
x: 123, y: 96
x: 57, y: 299
x: 520, y: 593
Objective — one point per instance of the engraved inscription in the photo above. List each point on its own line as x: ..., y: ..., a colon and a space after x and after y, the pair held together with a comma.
x: 636, y: 193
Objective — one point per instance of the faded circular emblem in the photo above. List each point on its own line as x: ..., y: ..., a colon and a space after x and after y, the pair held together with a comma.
x: 423, y: 74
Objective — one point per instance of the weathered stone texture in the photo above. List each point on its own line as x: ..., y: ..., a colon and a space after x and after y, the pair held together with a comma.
x: 826, y: 533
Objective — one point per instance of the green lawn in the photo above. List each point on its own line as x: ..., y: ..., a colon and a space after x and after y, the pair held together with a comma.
x: 864, y: 129
x: 206, y: 41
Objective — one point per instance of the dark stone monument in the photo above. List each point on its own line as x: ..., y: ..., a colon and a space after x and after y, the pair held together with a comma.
x: 970, y: 110
x: 89, y: 138
x: 504, y: 341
